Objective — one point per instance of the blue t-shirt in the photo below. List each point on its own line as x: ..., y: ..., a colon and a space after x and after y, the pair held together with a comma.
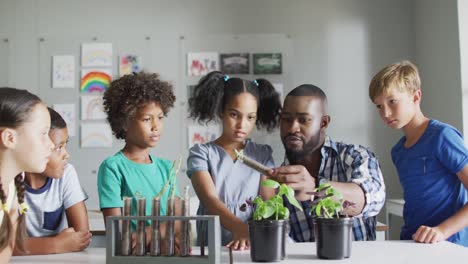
x: 427, y: 171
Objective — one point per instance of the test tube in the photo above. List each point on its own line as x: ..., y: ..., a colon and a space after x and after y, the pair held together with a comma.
x: 170, y: 251
x: 185, y: 232
x: 251, y: 162
x: 126, y: 248
x: 155, y: 234
x: 203, y: 238
x: 141, y: 225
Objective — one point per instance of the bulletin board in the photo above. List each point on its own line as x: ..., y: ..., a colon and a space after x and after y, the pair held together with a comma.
x: 87, y: 159
x: 167, y: 55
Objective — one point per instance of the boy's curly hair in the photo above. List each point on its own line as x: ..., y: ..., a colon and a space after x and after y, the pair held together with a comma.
x: 129, y: 93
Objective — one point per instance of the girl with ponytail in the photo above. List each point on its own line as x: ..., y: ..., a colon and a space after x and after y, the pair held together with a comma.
x: 24, y: 146
x: 221, y: 182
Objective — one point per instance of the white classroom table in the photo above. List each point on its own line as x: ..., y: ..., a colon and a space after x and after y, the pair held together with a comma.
x: 381, y: 252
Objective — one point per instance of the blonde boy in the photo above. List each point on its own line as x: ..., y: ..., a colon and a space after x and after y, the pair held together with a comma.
x: 431, y: 159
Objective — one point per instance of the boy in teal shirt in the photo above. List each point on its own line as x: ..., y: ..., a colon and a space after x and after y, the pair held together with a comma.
x: 431, y: 159
x: 119, y: 176
x: 136, y: 106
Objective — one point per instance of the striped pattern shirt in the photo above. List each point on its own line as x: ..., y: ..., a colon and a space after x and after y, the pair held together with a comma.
x: 344, y: 163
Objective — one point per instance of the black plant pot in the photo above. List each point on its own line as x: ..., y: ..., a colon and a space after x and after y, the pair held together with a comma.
x: 333, y: 237
x: 267, y: 240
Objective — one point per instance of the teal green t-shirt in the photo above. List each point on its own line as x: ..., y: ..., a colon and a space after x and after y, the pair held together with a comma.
x: 118, y: 177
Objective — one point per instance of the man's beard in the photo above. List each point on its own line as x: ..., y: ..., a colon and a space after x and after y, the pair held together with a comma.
x: 296, y: 155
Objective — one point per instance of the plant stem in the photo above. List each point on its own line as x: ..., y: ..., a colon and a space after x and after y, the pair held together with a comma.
x: 276, y: 205
x: 166, y: 184
x: 171, y: 195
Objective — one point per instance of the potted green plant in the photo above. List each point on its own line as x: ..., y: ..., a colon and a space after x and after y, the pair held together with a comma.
x: 332, y: 229
x: 268, y: 228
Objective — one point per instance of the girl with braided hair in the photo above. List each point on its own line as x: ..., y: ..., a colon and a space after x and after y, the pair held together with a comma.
x: 221, y: 182
x: 24, y: 146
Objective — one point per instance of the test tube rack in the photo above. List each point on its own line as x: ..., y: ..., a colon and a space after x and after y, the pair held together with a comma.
x: 113, y: 240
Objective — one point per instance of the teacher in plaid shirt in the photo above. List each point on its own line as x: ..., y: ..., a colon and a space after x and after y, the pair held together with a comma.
x: 313, y: 158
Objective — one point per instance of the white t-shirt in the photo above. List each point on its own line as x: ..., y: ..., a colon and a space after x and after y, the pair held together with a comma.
x: 46, y: 215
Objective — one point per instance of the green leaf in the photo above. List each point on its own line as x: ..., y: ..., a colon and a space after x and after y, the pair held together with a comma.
x: 256, y: 215
x: 328, y: 205
x: 261, y: 210
x: 294, y: 202
x: 330, y: 191
x: 270, y: 205
x: 289, y: 193
x: 286, y: 190
x: 270, y: 183
x: 257, y: 201
x: 277, y: 199
x: 269, y: 211
x: 283, y: 213
x: 318, y: 210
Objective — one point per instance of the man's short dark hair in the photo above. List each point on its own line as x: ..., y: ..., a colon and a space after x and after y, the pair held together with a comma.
x: 308, y: 90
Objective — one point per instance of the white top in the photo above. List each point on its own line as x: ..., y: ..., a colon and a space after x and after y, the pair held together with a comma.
x: 371, y: 252
x: 10, y: 199
x: 46, y: 215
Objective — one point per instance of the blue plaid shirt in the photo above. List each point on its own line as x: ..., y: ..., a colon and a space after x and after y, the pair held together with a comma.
x: 344, y: 163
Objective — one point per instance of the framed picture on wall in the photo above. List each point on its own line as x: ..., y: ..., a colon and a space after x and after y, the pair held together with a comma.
x: 201, y: 63
x: 96, y: 135
x: 202, y: 134
x: 92, y: 107
x: 67, y: 111
x: 129, y: 63
x: 95, y: 80
x: 235, y: 63
x: 63, y: 71
x: 267, y: 63
x: 96, y: 54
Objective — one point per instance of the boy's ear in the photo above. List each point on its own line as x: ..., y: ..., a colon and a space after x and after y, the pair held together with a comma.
x: 417, y: 96
x: 325, y: 121
x: 7, y: 137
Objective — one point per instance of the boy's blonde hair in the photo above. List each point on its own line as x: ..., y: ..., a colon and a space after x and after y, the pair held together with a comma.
x: 403, y: 76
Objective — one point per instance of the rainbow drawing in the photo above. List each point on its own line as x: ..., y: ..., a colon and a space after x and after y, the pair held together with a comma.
x: 96, y: 135
x: 95, y: 80
x: 96, y: 54
x: 92, y: 108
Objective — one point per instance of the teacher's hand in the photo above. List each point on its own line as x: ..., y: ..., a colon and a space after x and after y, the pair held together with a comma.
x: 296, y: 177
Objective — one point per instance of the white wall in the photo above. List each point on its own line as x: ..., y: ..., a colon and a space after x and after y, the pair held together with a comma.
x: 337, y: 45
x: 438, y: 57
x: 463, y: 30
